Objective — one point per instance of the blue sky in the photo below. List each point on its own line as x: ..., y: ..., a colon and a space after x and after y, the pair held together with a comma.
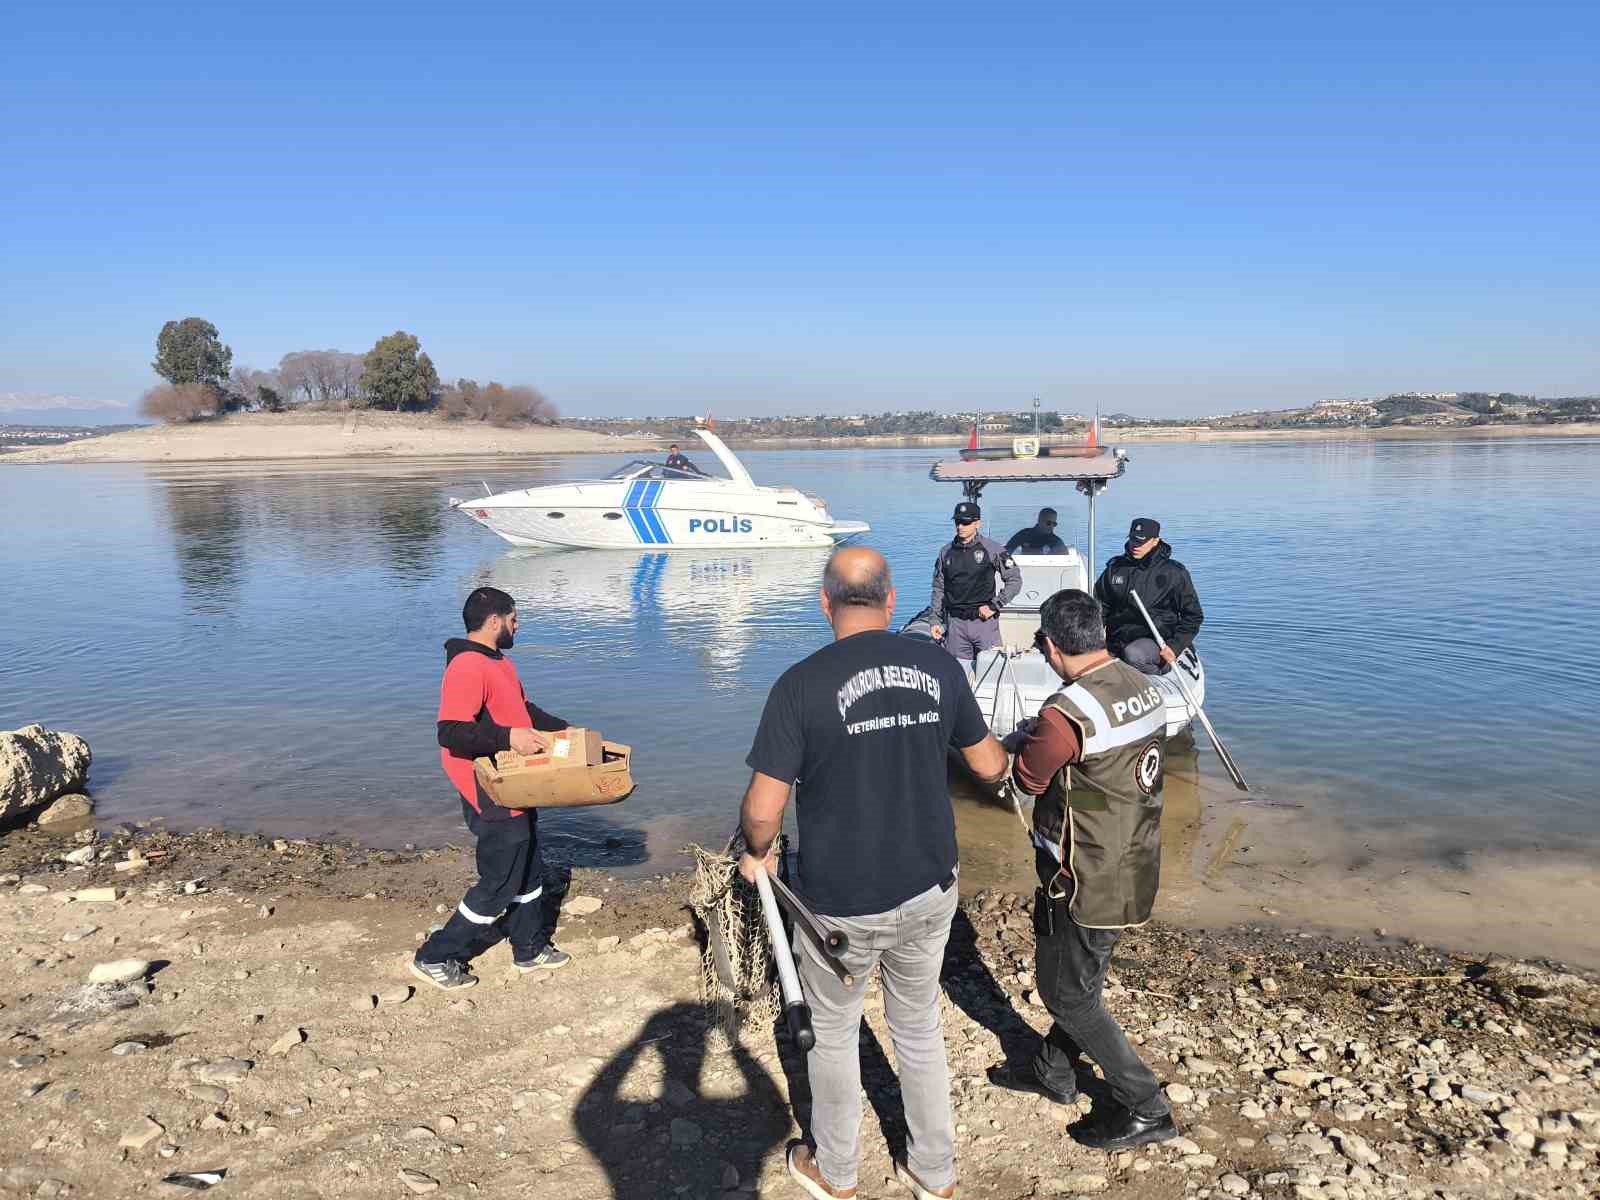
x: 681, y: 208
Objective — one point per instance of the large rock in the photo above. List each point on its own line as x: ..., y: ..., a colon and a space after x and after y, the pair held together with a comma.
x: 37, y: 765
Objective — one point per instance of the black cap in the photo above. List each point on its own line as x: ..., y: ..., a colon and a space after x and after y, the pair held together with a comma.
x: 1143, y: 529
x: 967, y: 511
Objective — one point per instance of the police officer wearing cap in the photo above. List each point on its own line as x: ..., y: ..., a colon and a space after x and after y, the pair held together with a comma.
x: 965, y: 607
x: 1146, y: 565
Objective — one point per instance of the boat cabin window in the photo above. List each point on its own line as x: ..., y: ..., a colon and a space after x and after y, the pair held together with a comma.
x: 640, y: 469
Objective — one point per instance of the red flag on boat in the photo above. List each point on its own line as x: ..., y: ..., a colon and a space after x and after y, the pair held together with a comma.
x: 1094, y: 432
x: 972, y: 442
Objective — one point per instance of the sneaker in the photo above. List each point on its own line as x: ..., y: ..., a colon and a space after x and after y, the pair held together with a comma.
x: 448, y: 976
x: 919, y: 1189
x: 548, y: 959
x: 803, y: 1170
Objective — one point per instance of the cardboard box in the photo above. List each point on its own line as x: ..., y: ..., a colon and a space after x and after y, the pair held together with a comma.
x: 545, y: 780
x: 577, y: 745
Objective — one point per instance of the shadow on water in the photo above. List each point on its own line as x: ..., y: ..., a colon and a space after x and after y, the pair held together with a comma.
x: 707, y: 1124
x: 408, y: 522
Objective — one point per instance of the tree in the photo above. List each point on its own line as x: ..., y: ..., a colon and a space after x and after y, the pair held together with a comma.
x: 397, y: 375
x: 330, y: 378
x: 189, y: 351
x: 179, y: 402
x: 496, y: 403
x: 250, y: 388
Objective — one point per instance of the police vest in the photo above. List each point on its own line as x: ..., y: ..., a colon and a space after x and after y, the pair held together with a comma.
x: 1103, y: 813
x: 969, y: 578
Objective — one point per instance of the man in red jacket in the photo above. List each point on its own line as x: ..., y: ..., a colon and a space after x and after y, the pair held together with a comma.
x: 483, y: 710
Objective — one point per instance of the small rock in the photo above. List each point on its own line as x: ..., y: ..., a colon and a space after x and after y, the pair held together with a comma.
x: 226, y: 1070
x: 208, y: 1092
x: 448, y: 1124
x: 685, y: 1133
x: 606, y: 944
x: 288, y: 1041
x: 398, y: 994
x: 1356, y: 1148
x: 22, y: 1062
x: 1251, y: 1111
x: 417, y: 1182
x: 677, y: 1093
x: 81, y: 856
x: 582, y: 906
x: 141, y: 1135
x: 1477, y: 1095
x: 1076, y: 1184
x: 266, y: 1131
x: 122, y: 970
x: 1199, y: 1066
x: 33, y: 889
x: 364, y: 1003
x: 1269, y: 985
x: 1183, y: 1145
x: 1180, y: 1093
x: 1290, y: 1077
x: 95, y: 895
x: 215, y: 1123
x: 1234, y: 1185
x: 123, y: 1049
x: 419, y: 1133
x: 74, y: 806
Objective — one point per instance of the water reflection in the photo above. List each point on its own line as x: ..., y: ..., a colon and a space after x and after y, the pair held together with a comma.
x: 207, y: 523
x: 715, y: 606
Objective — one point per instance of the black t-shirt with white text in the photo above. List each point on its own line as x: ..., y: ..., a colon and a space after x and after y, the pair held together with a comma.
x: 863, y: 727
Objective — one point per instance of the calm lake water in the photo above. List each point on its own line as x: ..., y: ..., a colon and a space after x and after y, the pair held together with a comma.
x: 1398, y: 635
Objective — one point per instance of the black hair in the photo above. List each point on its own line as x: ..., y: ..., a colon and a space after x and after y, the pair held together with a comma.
x: 486, y: 602
x: 869, y: 589
x: 1051, y: 511
x: 1073, y: 621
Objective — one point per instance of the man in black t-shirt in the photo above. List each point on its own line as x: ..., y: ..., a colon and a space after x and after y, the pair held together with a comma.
x: 862, y: 729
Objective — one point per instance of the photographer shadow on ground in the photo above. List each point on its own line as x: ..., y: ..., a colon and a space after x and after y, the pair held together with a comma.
x: 671, y: 1113
x: 973, y: 988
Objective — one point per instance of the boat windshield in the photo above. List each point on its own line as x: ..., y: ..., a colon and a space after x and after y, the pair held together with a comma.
x: 641, y: 469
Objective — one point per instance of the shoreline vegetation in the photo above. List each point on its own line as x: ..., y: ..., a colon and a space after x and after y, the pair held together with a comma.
x: 261, y: 1021
x: 368, y: 434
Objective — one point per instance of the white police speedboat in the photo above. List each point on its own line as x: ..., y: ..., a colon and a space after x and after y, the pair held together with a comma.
x: 1013, y: 682
x: 652, y: 505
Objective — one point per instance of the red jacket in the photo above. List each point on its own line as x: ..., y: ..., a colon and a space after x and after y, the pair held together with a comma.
x: 481, y: 701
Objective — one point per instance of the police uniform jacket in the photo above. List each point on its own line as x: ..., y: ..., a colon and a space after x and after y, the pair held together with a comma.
x: 1164, y: 585
x: 1101, y: 815
x: 964, y: 577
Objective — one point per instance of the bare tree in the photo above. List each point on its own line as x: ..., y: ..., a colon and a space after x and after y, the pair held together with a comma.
x: 325, y: 378
x: 495, y: 403
x: 250, y: 388
x: 180, y: 402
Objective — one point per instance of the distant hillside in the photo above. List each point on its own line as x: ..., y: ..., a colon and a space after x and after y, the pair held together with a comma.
x: 71, y: 416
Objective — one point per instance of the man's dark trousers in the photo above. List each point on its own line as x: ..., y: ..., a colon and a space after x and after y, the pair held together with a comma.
x: 1071, y: 969
x: 506, y: 900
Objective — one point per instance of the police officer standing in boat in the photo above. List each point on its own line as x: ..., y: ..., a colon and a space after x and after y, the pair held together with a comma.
x: 965, y: 608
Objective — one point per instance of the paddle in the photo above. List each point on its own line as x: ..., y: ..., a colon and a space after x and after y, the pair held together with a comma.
x: 1222, y: 751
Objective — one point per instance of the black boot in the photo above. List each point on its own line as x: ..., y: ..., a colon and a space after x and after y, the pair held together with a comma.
x: 1123, y: 1129
x: 1024, y: 1079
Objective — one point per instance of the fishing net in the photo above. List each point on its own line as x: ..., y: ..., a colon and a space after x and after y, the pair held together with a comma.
x: 738, y: 982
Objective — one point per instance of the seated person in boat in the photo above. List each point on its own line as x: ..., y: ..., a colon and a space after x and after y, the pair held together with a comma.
x: 1146, y: 565
x: 677, y: 459
x: 1038, y: 538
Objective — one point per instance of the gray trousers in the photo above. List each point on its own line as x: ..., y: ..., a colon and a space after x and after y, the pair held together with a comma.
x: 1144, y: 654
x: 964, y: 637
x: 907, y: 945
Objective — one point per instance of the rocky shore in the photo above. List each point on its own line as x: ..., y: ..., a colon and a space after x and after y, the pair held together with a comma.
x: 256, y: 1023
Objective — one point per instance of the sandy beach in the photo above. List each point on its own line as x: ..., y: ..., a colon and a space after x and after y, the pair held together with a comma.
x: 273, y: 1034
x: 366, y: 434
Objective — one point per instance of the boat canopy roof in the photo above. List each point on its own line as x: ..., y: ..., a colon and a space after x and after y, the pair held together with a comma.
x: 1097, y: 469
